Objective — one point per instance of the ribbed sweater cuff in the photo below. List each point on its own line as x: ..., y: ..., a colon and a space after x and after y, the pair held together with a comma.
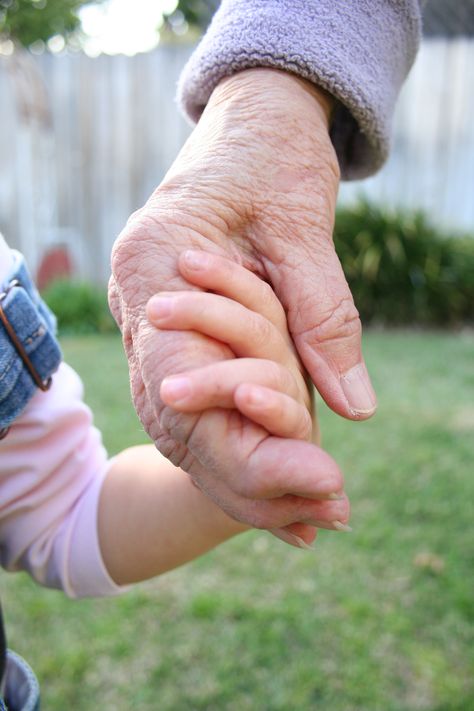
x: 360, y: 51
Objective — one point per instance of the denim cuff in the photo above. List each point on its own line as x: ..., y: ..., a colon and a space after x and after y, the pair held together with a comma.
x: 22, y: 691
x: 34, y: 327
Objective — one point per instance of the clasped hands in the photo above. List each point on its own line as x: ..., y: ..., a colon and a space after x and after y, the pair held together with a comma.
x: 226, y: 287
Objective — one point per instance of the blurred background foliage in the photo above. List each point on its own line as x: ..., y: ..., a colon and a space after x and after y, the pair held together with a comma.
x: 197, y: 13
x: 402, y: 270
x: 29, y: 21
x: 80, y: 307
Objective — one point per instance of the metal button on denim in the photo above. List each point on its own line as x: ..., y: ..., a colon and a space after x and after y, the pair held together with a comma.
x: 34, y: 327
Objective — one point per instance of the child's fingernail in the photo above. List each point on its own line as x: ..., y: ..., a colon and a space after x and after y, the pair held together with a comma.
x: 290, y: 538
x: 255, y: 397
x: 339, y: 526
x: 194, y: 259
x: 159, y: 307
x: 329, y: 486
x: 176, y: 388
x: 358, y: 390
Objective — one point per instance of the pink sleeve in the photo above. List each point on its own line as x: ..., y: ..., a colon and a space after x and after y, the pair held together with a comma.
x: 52, y: 467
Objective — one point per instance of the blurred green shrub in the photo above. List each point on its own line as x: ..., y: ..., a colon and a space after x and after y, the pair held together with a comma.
x: 401, y: 270
x: 80, y: 307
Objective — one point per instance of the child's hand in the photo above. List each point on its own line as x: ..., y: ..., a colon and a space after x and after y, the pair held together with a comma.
x: 264, y: 381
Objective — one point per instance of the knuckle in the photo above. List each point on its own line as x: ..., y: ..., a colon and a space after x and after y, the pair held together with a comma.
x: 273, y: 372
x: 261, y: 330
x: 114, y: 302
x: 280, y: 377
x: 341, y: 323
x: 276, y: 408
x: 305, y: 427
x: 144, y: 256
x: 125, y: 246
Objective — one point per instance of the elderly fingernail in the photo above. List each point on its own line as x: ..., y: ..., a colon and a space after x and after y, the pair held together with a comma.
x: 336, y: 497
x: 330, y: 525
x: 290, y: 538
x: 358, y: 390
x: 175, y: 389
x: 159, y: 307
x: 339, y: 526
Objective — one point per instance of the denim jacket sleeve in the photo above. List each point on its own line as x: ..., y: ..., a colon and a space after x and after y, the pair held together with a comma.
x: 26, y: 319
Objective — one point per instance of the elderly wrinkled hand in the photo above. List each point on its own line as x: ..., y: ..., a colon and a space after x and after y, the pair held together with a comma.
x: 256, y: 182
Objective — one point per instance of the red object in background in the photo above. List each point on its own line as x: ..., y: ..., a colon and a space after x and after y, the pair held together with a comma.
x: 55, y: 264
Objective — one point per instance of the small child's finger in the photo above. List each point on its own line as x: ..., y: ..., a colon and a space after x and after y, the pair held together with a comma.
x: 327, y: 514
x: 280, y: 466
x: 276, y: 412
x: 247, y: 333
x: 226, y: 277
x: 302, y: 537
x: 214, y: 385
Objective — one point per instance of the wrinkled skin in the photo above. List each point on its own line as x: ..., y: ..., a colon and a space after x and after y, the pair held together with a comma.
x: 257, y: 181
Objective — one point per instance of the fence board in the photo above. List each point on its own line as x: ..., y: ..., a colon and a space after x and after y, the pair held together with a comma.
x: 431, y: 166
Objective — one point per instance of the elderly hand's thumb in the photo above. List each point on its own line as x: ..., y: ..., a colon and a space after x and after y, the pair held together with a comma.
x: 326, y: 329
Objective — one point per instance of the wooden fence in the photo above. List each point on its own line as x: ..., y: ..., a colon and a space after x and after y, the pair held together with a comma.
x: 83, y: 142
x: 431, y: 166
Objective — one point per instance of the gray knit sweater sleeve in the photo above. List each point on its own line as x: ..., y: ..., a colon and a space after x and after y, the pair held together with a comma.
x: 358, y: 50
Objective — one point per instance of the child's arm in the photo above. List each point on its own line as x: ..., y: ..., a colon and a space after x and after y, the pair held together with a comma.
x: 75, y: 521
x: 152, y: 518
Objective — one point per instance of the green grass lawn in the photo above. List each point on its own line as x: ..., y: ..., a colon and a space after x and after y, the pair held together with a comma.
x: 381, y: 619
